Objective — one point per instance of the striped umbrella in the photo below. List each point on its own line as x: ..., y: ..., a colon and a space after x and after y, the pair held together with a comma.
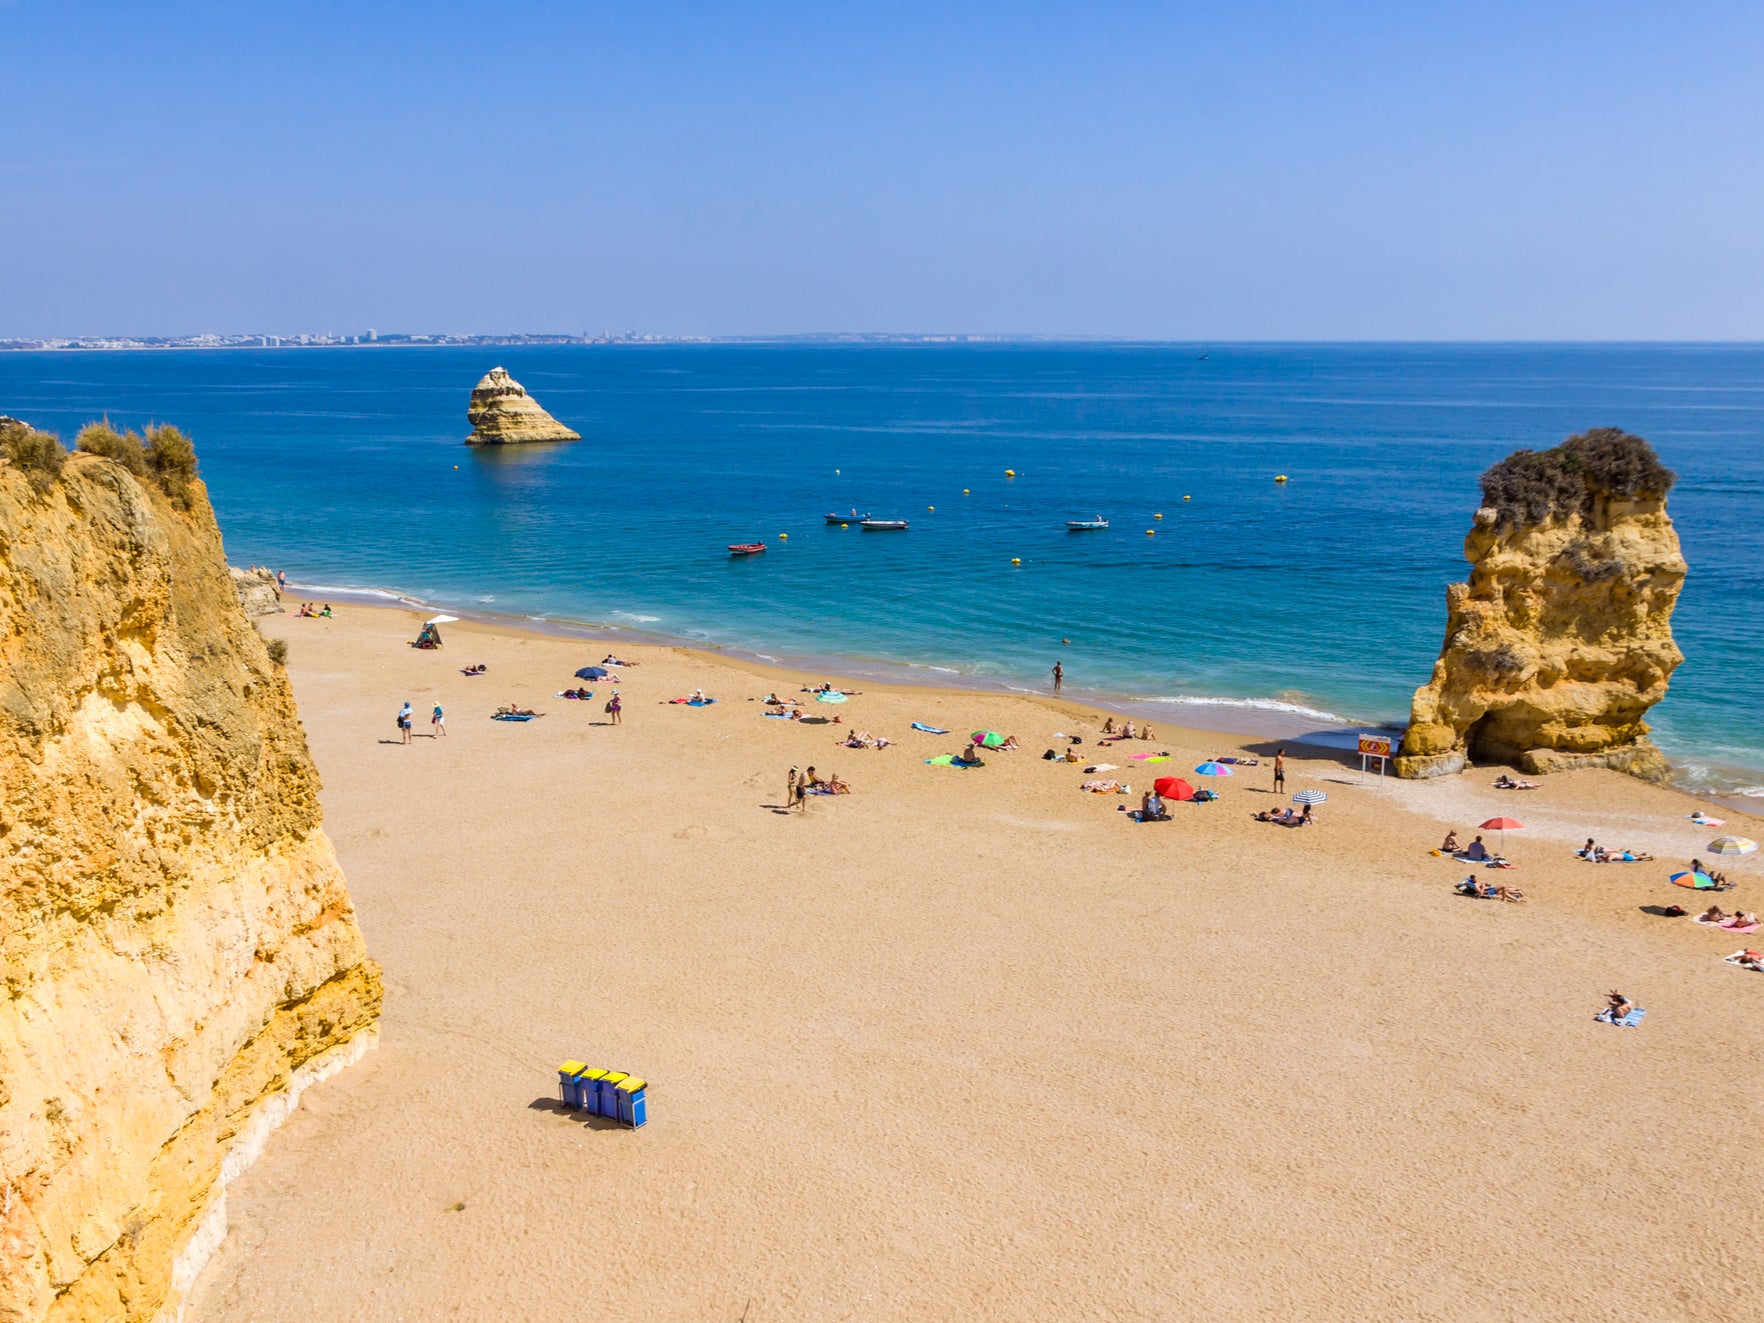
x: 1309, y: 797
x: 1732, y: 845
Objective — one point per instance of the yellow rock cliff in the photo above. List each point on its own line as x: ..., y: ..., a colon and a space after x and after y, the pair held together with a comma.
x: 1562, y: 639
x: 502, y: 413
x: 179, y: 953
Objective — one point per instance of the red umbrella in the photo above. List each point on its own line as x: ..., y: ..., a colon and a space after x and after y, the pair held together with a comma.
x: 1173, y: 787
x: 1503, y: 826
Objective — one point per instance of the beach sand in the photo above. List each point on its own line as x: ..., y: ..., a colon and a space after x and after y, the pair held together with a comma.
x: 972, y: 1045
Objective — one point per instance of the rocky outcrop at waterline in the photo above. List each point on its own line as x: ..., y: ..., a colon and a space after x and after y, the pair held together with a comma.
x: 1562, y: 639
x: 178, y: 948
x: 502, y: 413
x: 257, y: 591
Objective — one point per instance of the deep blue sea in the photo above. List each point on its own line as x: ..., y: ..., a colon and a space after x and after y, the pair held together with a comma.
x: 1320, y: 598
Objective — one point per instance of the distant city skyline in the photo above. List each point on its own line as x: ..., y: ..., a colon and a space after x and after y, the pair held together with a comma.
x: 1178, y: 172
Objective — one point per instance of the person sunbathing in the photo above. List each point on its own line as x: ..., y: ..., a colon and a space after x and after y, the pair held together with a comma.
x: 1451, y: 843
x: 970, y: 757
x: 1588, y: 850
x: 1750, y: 960
x: 1109, y: 726
x: 1146, y: 734
x: 1617, y: 1004
x: 1010, y: 742
x: 834, y: 786
x: 1476, y: 852
x: 1282, y: 816
x: 1714, y: 914
x: 698, y: 696
x: 1128, y: 733
x: 1151, y: 807
x: 1743, y: 919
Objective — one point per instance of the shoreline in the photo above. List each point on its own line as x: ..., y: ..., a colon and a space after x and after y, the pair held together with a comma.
x: 1268, y: 719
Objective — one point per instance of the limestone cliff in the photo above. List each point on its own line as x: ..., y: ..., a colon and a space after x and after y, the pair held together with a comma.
x: 257, y: 591
x: 178, y: 949
x: 1562, y: 639
x: 502, y: 413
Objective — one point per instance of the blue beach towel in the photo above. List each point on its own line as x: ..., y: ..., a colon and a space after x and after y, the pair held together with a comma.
x: 701, y: 702
x: 929, y: 730
x: 1629, y: 1021
x: 509, y: 716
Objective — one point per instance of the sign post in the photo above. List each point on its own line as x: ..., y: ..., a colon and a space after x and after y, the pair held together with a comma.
x: 1375, y: 746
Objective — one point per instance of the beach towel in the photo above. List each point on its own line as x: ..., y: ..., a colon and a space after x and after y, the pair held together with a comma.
x: 1739, y: 927
x: 1150, y: 757
x: 832, y: 696
x: 1737, y: 957
x: 1629, y: 1021
x: 1102, y: 767
x: 1706, y: 822
x: 929, y: 730
x: 700, y: 702
x: 510, y: 716
x: 943, y: 760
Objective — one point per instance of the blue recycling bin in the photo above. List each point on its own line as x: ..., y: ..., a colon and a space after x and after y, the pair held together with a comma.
x: 567, y: 1091
x: 587, y: 1088
x: 633, y: 1102
x: 609, y: 1094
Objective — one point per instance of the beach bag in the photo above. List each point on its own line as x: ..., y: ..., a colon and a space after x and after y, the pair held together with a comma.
x: 1049, y: 756
x: 609, y: 705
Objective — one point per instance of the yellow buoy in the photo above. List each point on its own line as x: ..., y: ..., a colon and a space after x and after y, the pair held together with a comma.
x: 783, y: 537
x: 1016, y: 560
x: 1188, y: 498
x: 1157, y: 516
x: 1010, y: 473
x: 456, y: 468
x: 964, y: 491
x: 1151, y: 532
x: 845, y: 525
x: 1280, y: 478
x: 932, y: 508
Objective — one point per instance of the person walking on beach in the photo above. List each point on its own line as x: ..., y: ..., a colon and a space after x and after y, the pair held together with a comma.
x: 1280, y: 769
x: 1059, y: 676
x: 437, y: 722
x: 614, y: 707
x: 281, y: 581
x: 790, y: 790
x: 404, y: 722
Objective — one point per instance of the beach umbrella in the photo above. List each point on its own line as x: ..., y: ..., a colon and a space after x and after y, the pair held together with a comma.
x: 1309, y: 797
x: 1211, y: 768
x: 591, y: 673
x: 1732, y: 845
x: 1695, y: 881
x: 987, y: 739
x: 1173, y: 787
x: 442, y: 620
x: 1503, y: 826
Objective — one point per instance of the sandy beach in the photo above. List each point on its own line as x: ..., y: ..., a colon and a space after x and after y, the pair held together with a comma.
x: 972, y: 1044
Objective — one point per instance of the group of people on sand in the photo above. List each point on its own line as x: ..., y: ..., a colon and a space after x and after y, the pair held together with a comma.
x: 808, y: 782
x: 1719, y: 879
x: 1487, y: 890
x: 1287, y: 818
x: 1505, y: 782
x: 313, y: 611
x: 1720, y: 918
x: 1475, y: 852
x: 1595, y: 853
x: 437, y: 722
x: 1127, y: 731
x: 862, y: 739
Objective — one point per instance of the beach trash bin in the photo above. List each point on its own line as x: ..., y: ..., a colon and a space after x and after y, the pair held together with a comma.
x: 587, y: 1088
x: 633, y: 1106
x: 566, y: 1083
x: 609, y: 1095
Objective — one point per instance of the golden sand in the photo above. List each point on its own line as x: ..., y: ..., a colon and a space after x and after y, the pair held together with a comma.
x: 971, y: 1044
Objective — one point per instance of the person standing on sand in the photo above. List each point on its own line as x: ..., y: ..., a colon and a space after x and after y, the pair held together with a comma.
x: 614, y: 708
x: 790, y: 790
x: 1280, y: 769
x: 281, y: 581
x: 437, y: 722
x: 404, y: 722
x: 1059, y: 676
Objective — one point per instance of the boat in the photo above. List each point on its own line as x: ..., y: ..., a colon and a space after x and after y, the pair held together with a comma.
x: 1079, y: 525
x: 881, y: 525
x: 746, y: 548
x: 853, y: 518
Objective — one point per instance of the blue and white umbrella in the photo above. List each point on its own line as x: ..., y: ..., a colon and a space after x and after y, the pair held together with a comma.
x: 1309, y: 797
x: 1211, y: 768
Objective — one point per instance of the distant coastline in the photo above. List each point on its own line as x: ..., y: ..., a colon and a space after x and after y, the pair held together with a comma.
x: 399, y: 340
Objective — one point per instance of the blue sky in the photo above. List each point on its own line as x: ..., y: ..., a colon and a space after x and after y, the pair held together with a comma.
x: 1192, y: 171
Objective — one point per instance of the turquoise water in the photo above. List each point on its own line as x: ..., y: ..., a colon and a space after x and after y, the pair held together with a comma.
x: 1319, y: 599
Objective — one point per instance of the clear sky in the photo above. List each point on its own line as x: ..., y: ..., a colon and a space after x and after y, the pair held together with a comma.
x: 1219, y: 171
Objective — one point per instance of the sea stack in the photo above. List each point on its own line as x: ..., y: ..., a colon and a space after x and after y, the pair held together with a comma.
x: 180, y: 955
x: 1562, y: 639
x: 503, y: 414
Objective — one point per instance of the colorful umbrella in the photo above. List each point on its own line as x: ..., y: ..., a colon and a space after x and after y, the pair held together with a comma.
x: 1173, y: 787
x: 987, y: 739
x: 1695, y: 881
x: 1210, y: 768
x: 1503, y: 826
x: 1309, y: 797
x: 1732, y: 845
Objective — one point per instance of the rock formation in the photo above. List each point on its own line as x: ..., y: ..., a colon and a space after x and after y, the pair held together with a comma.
x: 179, y: 952
x: 502, y: 413
x: 1562, y: 639
x: 257, y: 591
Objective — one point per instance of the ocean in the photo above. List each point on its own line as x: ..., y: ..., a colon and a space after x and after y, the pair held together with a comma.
x: 1218, y: 597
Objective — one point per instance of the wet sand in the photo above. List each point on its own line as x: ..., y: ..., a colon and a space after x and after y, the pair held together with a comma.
x: 970, y: 1044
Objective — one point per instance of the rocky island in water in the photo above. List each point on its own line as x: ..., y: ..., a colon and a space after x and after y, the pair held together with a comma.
x: 502, y: 413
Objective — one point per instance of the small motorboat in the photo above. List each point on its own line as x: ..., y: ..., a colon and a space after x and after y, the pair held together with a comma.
x: 853, y: 518
x: 1080, y: 525
x: 746, y: 548
x: 882, y: 525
